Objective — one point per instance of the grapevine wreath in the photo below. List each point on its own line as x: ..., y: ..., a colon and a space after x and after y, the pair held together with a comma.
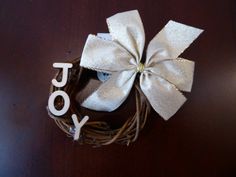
x: 116, y: 57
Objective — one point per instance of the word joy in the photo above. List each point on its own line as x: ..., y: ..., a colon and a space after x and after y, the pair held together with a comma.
x: 51, y: 106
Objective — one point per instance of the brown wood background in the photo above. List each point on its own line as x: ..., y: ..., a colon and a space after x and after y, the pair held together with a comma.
x: 199, y: 141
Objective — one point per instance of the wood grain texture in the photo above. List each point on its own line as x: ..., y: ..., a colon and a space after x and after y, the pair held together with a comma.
x: 199, y: 141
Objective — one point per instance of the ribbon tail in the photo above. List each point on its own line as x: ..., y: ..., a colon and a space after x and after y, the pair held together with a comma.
x: 112, y: 93
x: 163, y: 96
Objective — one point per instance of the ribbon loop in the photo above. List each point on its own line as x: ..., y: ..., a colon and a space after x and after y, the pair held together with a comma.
x: 104, y: 55
x: 112, y: 93
x: 127, y: 29
x: 171, y: 41
x: 178, y: 72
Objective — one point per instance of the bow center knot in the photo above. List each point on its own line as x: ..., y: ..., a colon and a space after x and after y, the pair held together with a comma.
x: 140, y: 68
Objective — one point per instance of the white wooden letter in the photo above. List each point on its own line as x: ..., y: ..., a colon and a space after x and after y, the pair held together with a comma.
x: 65, y: 67
x: 78, y: 125
x: 51, y: 105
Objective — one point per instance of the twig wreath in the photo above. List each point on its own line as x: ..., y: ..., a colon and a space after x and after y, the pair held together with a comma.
x: 157, y: 82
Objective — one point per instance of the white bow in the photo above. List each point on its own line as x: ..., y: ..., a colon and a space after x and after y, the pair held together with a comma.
x: 163, y: 74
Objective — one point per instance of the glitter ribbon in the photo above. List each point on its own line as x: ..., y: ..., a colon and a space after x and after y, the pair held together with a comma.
x: 163, y: 75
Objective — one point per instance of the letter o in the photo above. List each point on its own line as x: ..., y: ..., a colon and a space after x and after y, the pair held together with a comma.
x: 51, y: 105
